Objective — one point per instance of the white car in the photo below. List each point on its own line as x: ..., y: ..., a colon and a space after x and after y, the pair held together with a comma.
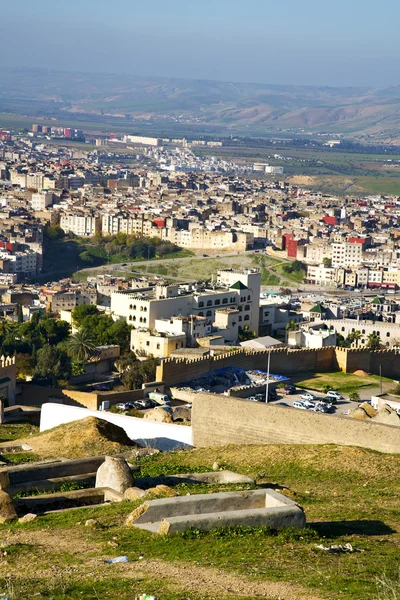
x: 334, y: 395
x: 307, y: 396
x: 299, y: 405
x: 308, y: 404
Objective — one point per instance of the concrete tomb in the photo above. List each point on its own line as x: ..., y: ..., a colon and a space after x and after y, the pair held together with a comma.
x: 253, y: 508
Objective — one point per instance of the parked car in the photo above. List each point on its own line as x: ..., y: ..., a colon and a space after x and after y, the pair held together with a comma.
x: 288, y: 389
x: 300, y: 405
x: 308, y: 404
x: 145, y: 403
x: 334, y: 395
x: 308, y: 396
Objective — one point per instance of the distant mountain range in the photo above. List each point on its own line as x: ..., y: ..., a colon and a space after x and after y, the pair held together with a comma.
x: 372, y: 113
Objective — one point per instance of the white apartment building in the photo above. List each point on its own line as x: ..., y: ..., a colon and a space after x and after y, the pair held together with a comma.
x: 24, y: 264
x: 321, y: 275
x: 142, y: 308
x: 346, y: 254
x: 111, y: 224
x: 41, y: 200
x: 81, y: 225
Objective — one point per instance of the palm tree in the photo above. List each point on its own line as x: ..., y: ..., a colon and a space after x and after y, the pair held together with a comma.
x: 355, y: 336
x: 374, y: 341
x: 81, y: 347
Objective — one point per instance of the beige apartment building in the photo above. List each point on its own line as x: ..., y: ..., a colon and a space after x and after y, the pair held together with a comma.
x: 346, y: 254
x: 315, y: 253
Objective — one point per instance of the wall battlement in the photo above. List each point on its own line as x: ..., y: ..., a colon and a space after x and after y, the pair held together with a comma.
x: 284, y: 361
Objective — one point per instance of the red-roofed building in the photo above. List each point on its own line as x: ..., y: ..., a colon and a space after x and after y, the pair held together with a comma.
x: 329, y: 220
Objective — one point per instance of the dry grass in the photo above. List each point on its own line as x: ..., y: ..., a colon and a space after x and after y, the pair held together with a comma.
x: 89, y: 437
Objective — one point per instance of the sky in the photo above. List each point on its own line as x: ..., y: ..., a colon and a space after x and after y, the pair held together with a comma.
x: 308, y: 42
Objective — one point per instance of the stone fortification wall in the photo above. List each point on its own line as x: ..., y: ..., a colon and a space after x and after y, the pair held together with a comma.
x: 219, y: 420
x: 283, y: 361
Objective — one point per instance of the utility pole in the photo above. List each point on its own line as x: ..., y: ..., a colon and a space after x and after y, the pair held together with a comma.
x: 268, y: 368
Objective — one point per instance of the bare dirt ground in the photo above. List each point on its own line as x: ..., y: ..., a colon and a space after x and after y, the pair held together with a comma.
x: 177, y: 576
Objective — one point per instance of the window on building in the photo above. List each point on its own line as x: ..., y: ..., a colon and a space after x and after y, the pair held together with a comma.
x: 209, y: 313
x: 247, y: 307
x: 201, y: 304
x: 233, y: 299
x: 140, y: 320
x: 246, y: 318
x: 209, y: 302
x: 134, y: 318
x: 176, y: 346
x: 158, y: 346
x: 201, y: 314
x: 225, y: 301
x: 388, y: 334
x: 343, y: 328
x: 240, y: 319
x: 144, y: 320
x: 217, y: 302
x: 147, y: 343
x: 249, y: 298
x: 363, y: 331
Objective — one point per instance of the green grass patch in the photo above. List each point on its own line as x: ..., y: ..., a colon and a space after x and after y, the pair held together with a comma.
x: 340, y: 382
x: 16, y: 431
x: 349, y: 495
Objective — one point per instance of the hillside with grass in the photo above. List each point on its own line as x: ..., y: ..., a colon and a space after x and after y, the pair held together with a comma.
x: 350, y: 496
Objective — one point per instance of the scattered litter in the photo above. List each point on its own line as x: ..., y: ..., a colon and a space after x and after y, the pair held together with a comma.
x: 338, y: 548
x: 145, y: 597
x: 119, y: 559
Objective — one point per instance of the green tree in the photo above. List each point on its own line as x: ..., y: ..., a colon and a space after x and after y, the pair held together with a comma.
x: 139, y: 373
x: 125, y: 362
x: 292, y: 326
x: 52, y: 365
x: 246, y: 334
x: 81, y: 312
x: 355, y: 336
x: 80, y: 346
x: 25, y: 365
x: 133, y: 379
x: 354, y: 396
x: 374, y: 342
x: 53, y: 232
x: 20, y: 314
x: 86, y: 257
x: 327, y: 262
x: 327, y: 388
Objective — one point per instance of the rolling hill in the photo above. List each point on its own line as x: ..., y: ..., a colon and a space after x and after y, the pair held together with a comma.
x: 359, y: 112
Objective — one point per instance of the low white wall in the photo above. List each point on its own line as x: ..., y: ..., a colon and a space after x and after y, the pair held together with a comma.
x: 163, y: 436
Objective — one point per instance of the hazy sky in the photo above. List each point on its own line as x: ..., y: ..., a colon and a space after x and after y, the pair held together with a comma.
x: 346, y: 42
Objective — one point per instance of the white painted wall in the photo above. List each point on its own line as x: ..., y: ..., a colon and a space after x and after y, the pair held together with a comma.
x: 163, y: 436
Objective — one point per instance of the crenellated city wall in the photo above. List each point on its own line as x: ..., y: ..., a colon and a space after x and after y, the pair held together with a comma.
x: 284, y: 361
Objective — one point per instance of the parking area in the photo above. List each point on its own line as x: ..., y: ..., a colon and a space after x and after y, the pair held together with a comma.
x: 341, y: 407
